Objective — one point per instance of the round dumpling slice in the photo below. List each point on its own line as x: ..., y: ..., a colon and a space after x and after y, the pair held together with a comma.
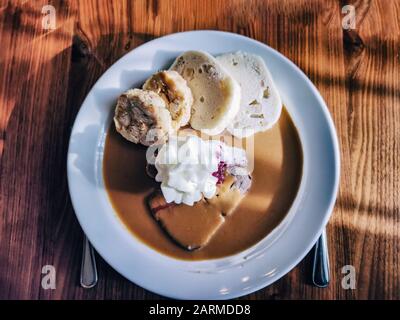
x: 216, y: 95
x: 260, y: 105
x: 175, y: 92
x: 141, y: 116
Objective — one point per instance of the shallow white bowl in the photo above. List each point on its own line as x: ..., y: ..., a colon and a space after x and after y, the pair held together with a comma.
x: 230, y: 277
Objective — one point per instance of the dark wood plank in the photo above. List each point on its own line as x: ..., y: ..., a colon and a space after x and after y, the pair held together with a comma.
x: 46, y: 74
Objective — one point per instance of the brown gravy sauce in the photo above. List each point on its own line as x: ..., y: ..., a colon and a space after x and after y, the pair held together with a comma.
x: 278, y: 164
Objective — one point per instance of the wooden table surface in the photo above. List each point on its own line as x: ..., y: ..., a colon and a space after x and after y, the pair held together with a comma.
x: 46, y: 74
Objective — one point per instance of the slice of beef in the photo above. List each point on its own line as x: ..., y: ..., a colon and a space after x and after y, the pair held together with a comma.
x: 228, y: 196
x: 192, y: 227
x: 189, y: 226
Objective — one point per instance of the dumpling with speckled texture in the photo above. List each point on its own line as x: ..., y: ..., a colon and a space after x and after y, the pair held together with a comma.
x: 260, y: 105
x: 216, y: 95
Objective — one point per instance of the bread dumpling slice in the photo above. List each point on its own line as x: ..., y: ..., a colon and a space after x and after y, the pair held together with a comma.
x: 216, y: 95
x: 173, y: 89
x: 260, y: 105
x: 141, y: 117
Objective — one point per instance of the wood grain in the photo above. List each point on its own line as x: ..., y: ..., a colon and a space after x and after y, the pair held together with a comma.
x: 45, y: 75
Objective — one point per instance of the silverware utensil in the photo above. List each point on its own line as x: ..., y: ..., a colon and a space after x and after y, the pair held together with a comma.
x: 320, y: 272
x: 88, y: 268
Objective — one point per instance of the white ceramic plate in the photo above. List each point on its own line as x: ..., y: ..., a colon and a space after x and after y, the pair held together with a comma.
x: 223, y: 278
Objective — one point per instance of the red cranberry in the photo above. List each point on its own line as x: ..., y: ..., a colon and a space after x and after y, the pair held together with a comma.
x: 220, y: 173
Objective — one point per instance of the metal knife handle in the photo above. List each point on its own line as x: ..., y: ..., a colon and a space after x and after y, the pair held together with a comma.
x: 88, y: 267
x: 320, y: 272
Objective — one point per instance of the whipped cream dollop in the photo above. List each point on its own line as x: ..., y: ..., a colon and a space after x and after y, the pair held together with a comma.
x: 186, y: 167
